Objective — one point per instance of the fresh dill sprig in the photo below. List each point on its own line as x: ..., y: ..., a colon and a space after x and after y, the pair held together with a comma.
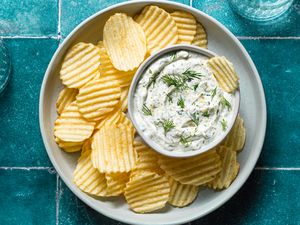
x: 225, y: 103
x: 174, y: 80
x: 166, y: 124
x: 180, y: 102
x: 195, y: 117
x: 195, y: 87
x: 206, y: 113
x: 213, y: 93
x: 173, y: 56
x: 169, y: 97
x: 185, y: 140
x: 152, y: 79
x: 146, y: 110
x: 191, y: 74
x: 224, y: 124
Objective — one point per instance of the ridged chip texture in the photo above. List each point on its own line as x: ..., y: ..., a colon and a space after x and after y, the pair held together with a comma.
x: 88, y: 178
x: 80, y: 65
x: 71, y: 126
x: 124, y: 41
x: 65, y: 98
x: 159, y: 27
x: 181, y: 194
x: 116, y: 183
x: 147, y: 157
x: 224, y: 73
x: 124, y: 99
x: 229, y: 171
x: 107, y: 69
x: 196, y: 170
x: 113, y: 149
x: 111, y: 118
x: 237, y: 136
x: 98, y: 98
x: 147, y: 191
x: 186, y: 25
x: 69, y: 146
x: 200, y: 38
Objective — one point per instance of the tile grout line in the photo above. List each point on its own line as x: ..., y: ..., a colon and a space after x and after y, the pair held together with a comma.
x: 191, y: 3
x: 57, y: 200
x: 59, y: 20
x: 26, y: 168
x: 267, y: 38
x: 29, y: 37
x: 278, y: 168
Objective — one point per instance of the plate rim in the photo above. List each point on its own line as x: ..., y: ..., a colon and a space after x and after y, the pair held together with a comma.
x: 249, y: 168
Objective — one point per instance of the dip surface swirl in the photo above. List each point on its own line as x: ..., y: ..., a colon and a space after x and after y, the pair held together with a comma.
x: 178, y: 103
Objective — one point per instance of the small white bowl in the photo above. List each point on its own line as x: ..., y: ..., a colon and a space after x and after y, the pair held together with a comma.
x: 204, y: 52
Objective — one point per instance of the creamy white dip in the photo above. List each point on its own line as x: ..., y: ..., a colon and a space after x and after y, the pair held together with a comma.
x: 178, y: 103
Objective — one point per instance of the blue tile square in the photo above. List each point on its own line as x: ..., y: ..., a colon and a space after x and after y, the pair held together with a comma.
x: 27, y: 197
x: 268, y: 197
x: 286, y: 25
x: 33, y: 18
x: 278, y: 63
x: 73, y: 211
x: 20, y: 140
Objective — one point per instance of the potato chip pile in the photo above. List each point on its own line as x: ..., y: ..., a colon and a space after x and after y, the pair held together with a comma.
x: 92, y: 116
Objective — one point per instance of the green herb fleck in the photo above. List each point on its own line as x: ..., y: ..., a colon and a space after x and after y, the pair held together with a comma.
x: 225, y: 103
x: 169, y: 97
x: 166, y: 124
x: 174, y: 80
x: 195, y: 87
x: 173, y: 56
x: 191, y: 74
x: 146, y: 110
x: 206, y: 113
x: 185, y: 140
x: 180, y: 102
x: 195, y: 117
x: 224, y: 124
x: 152, y: 79
x: 213, y: 93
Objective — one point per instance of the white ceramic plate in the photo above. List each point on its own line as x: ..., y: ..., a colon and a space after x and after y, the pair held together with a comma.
x: 252, y: 109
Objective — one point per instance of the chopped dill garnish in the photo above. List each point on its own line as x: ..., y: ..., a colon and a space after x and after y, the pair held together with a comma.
x: 191, y: 74
x: 180, y: 102
x: 224, y: 124
x: 195, y: 117
x: 213, y: 93
x: 173, y: 56
x: 152, y: 79
x: 225, y: 103
x: 185, y: 140
x: 206, y: 113
x: 195, y: 87
x: 146, y: 110
x: 174, y: 80
x: 167, y: 125
x: 169, y: 97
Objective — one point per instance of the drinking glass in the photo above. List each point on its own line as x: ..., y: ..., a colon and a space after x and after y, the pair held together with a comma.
x: 260, y: 10
x: 4, y: 66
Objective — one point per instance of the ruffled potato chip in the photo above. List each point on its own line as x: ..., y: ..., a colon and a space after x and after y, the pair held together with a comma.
x: 124, y: 41
x: 65, y: 98
x: 186, y: 25
x: 200, y: 38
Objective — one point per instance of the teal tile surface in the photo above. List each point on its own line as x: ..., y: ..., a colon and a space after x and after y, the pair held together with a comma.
x: 73, y: 12
x: 73, y: 211
x: 27, y: 197
x: 278, y: 62
x: 287, y: 25
x: 268, y: 198
x: 20, y: 139
x: 33, y: 18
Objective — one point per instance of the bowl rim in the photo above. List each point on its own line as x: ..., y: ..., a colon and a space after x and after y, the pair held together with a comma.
x: 229, y: 192
x: 131, y: 108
